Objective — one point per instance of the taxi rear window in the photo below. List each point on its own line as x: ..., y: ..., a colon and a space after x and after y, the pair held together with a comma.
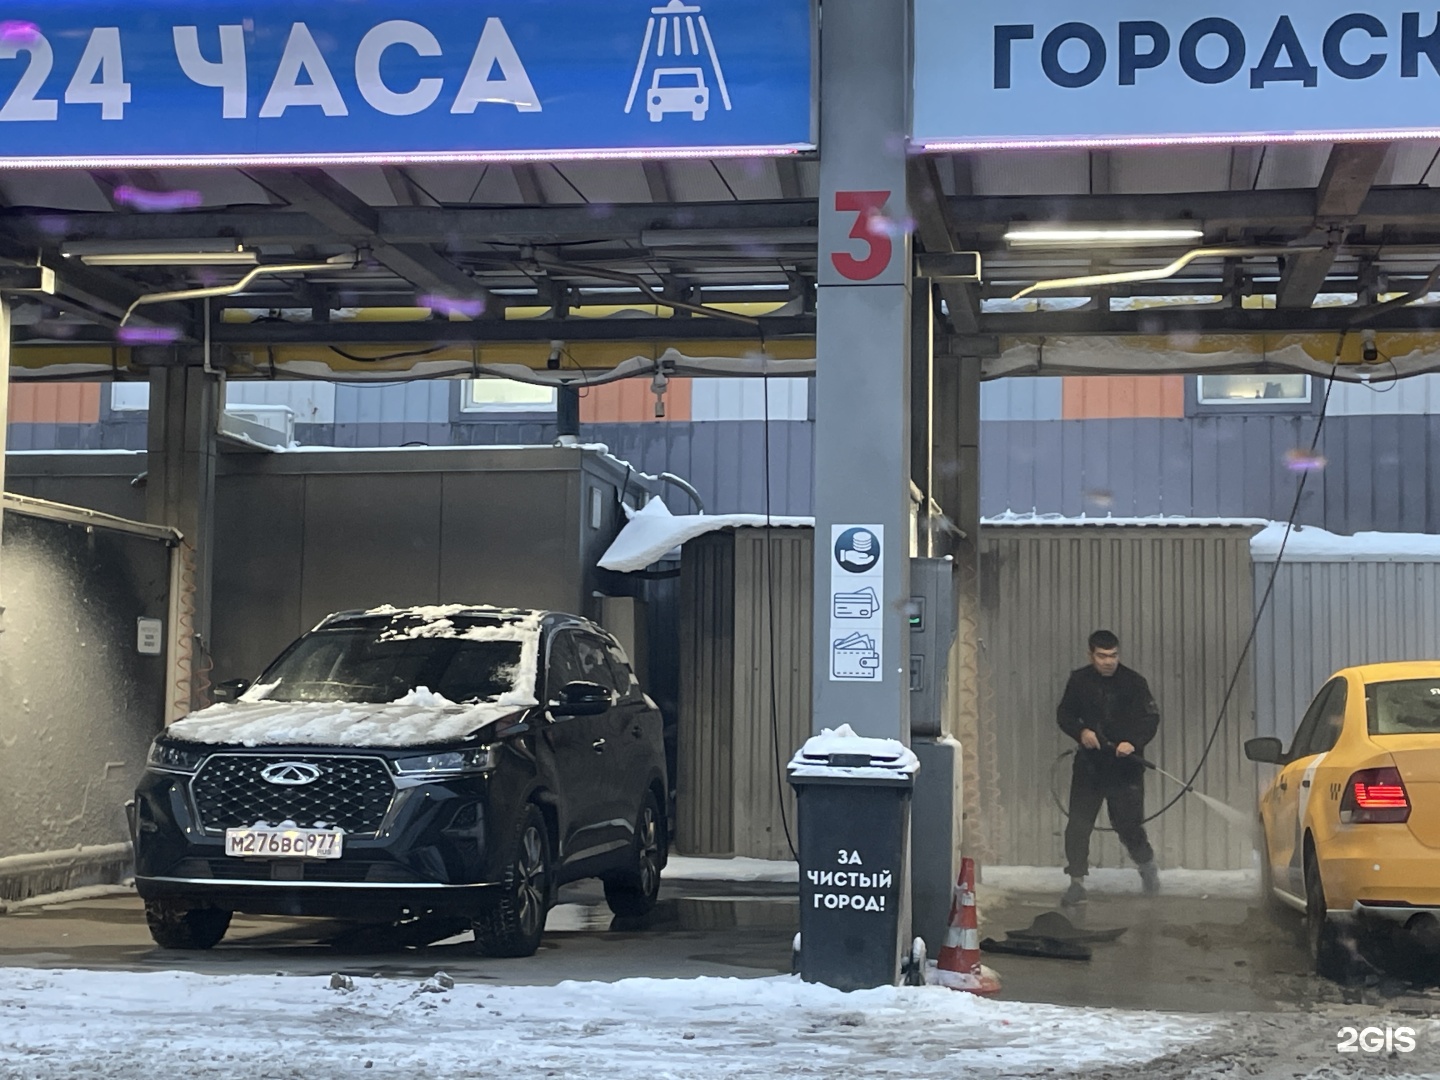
x: 1403, y: 707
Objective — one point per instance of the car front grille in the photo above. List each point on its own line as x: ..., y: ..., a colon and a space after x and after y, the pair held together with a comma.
x: 352, y: 793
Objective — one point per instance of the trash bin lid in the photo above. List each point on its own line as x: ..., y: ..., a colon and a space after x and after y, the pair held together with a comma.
x: 840, y: 754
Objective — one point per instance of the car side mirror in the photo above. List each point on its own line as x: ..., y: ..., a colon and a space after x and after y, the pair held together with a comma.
x: 230, y: 690
x: 1267, y: 750
x: 582, y: 699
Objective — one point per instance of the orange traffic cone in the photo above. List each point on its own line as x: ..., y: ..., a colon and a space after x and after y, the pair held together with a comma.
x: 959, y: 965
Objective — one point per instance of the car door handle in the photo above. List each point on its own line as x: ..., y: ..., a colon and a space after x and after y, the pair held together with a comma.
x: 1304, y: 783
x: 638, y: 731
x: 598, y: 746
x: 1284, y: 786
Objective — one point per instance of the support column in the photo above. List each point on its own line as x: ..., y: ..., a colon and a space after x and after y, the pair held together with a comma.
x: 185, y: 404
x: 862, y: 392
x: 957, y: 470
x: 922, y: 412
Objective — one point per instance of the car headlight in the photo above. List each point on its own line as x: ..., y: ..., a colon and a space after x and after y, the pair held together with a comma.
x: 451, y: 762
x: 171, y: 758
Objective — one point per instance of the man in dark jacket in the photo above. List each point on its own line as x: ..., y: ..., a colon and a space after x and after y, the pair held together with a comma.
x: 1109, y: 711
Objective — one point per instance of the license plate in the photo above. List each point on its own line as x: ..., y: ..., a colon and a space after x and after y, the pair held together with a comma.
x: 256, y: 842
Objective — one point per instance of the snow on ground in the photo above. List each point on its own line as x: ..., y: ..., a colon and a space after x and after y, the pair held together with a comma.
x: 692, y: 868
x: 84, y: 892
x: 1117, y: 881
x: 122, y: 1025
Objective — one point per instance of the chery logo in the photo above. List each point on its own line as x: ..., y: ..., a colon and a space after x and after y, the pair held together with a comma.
x: 290, y: 773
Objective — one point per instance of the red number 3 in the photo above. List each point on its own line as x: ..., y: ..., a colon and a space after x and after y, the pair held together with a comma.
x: 867, y: 206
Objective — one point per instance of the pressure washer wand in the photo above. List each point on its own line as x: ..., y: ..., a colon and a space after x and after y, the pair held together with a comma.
x: 1151, y: 765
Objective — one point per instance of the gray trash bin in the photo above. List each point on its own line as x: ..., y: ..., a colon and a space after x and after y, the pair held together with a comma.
x: 853, y: 795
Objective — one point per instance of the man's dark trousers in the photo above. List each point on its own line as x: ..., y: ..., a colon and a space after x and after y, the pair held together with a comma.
x: 1099, y: 778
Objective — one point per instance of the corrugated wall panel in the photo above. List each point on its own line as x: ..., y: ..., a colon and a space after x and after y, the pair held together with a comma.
x: 54, y: 403
x: 1414, y: 396
x: 724, y: 460
x: 705, y: 743
x: 1102, y: 396
x: 1180, y: 600
x: 745, y: 399
x: 1325, y: 616
x: 1021, y: 399
x: 773, y: 587
x: 631, y: 401
x: 311, y: 402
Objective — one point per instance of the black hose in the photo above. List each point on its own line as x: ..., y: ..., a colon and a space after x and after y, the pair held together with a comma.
x: 1185, y: 788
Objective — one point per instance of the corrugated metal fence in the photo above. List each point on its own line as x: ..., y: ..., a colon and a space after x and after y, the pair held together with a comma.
x: 1178, y: 596
x: 736, y: 734
x: 1333, y: 613
x: 1180, y: 599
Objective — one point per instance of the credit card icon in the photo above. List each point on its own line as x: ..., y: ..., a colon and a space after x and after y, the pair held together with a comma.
x: 861, y: 604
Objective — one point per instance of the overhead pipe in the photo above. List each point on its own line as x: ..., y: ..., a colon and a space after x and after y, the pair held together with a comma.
x: 1162, y: 272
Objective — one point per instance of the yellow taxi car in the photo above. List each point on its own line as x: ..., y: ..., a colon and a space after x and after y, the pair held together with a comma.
x: 1351, y: 820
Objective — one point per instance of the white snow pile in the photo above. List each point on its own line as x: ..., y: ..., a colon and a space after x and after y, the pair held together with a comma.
x: 1122, y: 881
x: 739, y: 868
x: 889, y: 758
x: 419, y: 718
x: 652, y: 531
x: 415, y: 720
x: 122, y: 1025
x: 1311, y: 544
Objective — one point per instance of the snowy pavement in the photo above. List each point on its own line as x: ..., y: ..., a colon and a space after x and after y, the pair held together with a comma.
x: 120, y: 1025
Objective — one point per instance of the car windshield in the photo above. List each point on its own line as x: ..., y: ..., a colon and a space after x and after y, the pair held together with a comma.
x: 362, y: 665
x: 687, y: 79
x: 1404, y: 707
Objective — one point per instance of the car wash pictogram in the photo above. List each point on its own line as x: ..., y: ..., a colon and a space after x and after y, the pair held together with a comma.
x: 674, y: 56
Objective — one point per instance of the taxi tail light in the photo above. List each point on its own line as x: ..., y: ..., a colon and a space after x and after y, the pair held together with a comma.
x: 1376, y: 796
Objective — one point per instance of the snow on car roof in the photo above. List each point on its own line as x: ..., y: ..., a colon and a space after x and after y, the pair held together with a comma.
x: 414, y: 720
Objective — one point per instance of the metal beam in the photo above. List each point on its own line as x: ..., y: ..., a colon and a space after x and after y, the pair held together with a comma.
x: 357, y: 222
x: 1289, y: 209
x: 937, y: 235
x: 1349, y: 174
x: 94, y: 294
x: 1217, y: 320
x: 482, y: 331
x: 515, y: 225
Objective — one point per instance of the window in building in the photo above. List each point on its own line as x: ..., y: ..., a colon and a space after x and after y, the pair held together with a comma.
x: 1261, y: 390
x: 129, y: 396
x: 503, y: 395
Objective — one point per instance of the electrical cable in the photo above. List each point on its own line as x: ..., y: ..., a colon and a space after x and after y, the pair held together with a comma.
x: 770, y: 619
x: 355, y: 358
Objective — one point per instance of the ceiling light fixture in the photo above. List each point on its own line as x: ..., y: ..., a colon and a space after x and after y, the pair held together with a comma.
x: 160, y: 253
x: 1090, y: 236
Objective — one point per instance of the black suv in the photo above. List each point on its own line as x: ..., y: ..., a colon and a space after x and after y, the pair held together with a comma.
x: 399, y: 764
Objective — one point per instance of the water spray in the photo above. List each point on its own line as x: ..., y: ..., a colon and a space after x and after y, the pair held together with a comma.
x: 1236, y: 817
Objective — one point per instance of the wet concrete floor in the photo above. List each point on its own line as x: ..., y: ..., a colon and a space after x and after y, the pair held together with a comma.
x: 698, y: 928
x: 1177, y: 953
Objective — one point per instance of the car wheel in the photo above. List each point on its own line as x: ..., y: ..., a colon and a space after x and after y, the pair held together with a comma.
x: 512, y: 924
x: 633, y: 892
x: 1327, y: 951
x: 175, y: 927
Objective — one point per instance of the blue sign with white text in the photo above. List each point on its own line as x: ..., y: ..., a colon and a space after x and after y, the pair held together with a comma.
x: 189, y: 81
x: 1033, y: 73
